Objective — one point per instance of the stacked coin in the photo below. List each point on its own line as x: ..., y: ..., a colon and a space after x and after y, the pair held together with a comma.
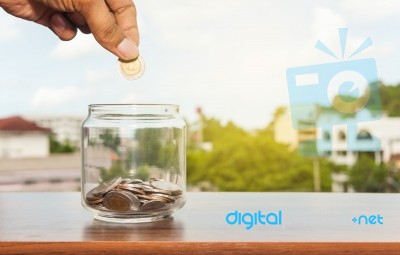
x: 124, y: 195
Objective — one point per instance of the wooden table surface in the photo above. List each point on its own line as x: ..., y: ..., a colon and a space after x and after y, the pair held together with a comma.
x: 311, y: 223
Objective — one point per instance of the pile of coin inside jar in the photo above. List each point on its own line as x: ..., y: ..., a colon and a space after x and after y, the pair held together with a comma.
x: 132, y: 195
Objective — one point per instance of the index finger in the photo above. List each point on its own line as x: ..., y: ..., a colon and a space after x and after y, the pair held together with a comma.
x: 125, y: 15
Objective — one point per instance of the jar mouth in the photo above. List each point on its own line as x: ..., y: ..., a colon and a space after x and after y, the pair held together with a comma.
x: 137, y: 111
x: 110, y: 106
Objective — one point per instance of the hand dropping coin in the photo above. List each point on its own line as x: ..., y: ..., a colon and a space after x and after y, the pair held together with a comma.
x: 131, y: 69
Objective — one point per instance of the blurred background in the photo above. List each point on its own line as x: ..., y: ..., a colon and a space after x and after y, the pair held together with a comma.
x: 224, y: 62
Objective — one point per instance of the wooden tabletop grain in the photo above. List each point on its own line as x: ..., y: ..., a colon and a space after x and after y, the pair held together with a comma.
x: 310, y: 223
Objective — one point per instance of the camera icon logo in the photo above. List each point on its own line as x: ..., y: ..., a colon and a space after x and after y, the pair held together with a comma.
x: 338, y: 93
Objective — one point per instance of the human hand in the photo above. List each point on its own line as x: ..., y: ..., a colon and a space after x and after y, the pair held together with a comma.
x: 112, y: 22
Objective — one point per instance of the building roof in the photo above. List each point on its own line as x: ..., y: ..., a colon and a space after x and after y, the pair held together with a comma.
x: 16, y: 123
x: 395, y: 157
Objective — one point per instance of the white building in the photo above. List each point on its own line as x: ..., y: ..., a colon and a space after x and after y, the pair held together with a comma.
x: 64, y: 127
x: 20, y: 138
x: 380, y: 138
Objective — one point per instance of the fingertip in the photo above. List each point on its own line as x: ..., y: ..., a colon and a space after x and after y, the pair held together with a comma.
x: 127, y: 49
x: 62, y: 27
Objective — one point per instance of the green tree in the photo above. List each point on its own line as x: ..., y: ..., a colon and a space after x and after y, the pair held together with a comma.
x: 390, y: 99
x: 367, y: 176
x: 57, y: 147
x: 110, y: 140
x: 243, y: 161
x: 117, y: 169
x: 149, y: 146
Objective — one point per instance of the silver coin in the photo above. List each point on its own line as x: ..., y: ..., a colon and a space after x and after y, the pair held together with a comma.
x: 128, y: 185
x: 94, y: 202
x: 106, y: 187
x: 163, y: 197
x: 135, y: 181
x: 131, y: 181
x: 157, y: 191
x: 165, y: 201
x: 174, y: 188
x: 133, y: 190
x: 143, y: 201
x: 121, y: 201
x: 132, y: 69
x: 91, y: 197
x: 144, y: 197
x: 155, y: 179
x: 152, y: 205
x: 125, y: 180
x: 147, y: 188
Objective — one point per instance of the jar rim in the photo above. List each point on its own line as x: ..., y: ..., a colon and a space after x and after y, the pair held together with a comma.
x: 132, y: 105
x: 133, y: 110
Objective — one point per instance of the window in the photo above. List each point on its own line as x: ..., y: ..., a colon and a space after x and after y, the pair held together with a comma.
x: 342, y: 136
x: 327, y: 136
x: 364, y: 135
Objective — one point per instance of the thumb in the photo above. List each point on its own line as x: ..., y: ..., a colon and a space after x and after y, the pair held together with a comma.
x: 106, y: 31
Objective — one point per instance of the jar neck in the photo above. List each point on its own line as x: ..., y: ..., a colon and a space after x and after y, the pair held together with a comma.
x: 134, y: 110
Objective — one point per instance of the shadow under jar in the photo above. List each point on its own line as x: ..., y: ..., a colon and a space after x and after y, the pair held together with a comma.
x: 133, y: 162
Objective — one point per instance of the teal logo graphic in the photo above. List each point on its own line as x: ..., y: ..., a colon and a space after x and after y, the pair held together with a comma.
x: 368, y: 220
x: 345, y: 92
x: 251, y: 219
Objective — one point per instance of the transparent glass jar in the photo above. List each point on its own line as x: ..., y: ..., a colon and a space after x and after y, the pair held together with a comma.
x: 133, y: 162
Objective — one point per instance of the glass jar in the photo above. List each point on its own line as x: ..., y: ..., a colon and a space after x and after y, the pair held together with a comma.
x: 133, y: 162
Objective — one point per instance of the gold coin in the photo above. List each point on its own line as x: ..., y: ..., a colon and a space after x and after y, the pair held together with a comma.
x: 121, y: 201
x: 132, y: 69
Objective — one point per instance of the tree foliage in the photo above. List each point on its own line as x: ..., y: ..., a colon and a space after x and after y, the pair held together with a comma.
x: 244, y: 161
x: 58, y: 147
x: 390, y: 96
x: 367, y: 176
x: 152, y: 149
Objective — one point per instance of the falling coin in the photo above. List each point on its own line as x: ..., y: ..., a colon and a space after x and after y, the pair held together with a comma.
x: 132, y: 69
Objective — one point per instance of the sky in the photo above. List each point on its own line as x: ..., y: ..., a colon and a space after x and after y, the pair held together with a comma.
x: 227, y: 56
